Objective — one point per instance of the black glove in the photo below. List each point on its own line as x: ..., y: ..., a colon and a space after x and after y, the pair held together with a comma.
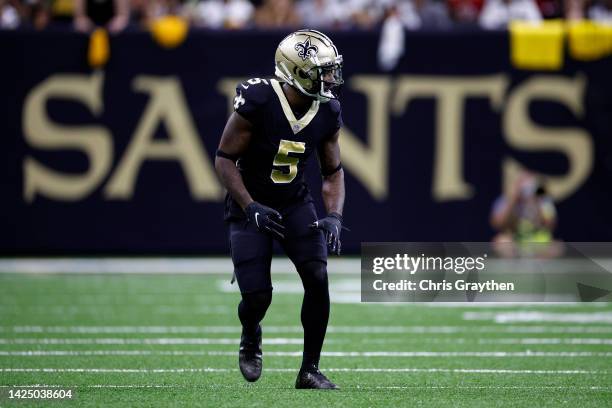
x: 331, y: 226
x: 266, y: 219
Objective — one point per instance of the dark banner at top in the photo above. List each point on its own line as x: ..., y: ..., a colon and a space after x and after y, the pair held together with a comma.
x: 120, y: 160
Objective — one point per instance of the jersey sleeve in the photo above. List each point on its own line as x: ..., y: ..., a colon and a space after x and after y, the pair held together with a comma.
x: 251, y: 96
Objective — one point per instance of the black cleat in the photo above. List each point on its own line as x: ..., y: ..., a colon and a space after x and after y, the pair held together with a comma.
x: 313, y: 379
x: 250, y: 356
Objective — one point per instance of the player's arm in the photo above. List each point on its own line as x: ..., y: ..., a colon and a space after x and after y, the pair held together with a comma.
x: 333, y: 193
x: 81, y: 21
x: 333, y: 175
x: 234, y: 142
x: 503, y: 213
x: 122, y: 16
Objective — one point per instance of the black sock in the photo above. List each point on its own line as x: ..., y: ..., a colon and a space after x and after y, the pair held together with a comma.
x: 315, y: 311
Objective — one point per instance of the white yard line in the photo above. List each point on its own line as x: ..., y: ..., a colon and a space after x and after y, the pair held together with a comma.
x: 355, y: 388
x: 591, y: 341
x: 298, y: 329
x: 212, y: 266
x: 476, y: 340
x: 497, y: 305
x: 352, y: 354
x: 156, y: 341
x: 346, y: 289
x: 540, y: 317
x: 291, y: 370
x: 285, y: 340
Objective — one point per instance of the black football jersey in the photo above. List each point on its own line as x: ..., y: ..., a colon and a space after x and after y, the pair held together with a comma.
x: 272, y: 167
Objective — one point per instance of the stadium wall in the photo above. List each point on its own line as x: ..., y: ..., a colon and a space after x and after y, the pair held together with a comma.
x: 119, y: 160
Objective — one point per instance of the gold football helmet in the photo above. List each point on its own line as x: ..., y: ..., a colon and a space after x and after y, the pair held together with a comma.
x: 309, y: 61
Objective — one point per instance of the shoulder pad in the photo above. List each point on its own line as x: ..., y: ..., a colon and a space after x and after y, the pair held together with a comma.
x: 251, y: 96
x: 335, y: 106
x: 255, y: 90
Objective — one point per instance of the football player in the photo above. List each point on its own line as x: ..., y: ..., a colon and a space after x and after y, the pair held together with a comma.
x: 276, y: 126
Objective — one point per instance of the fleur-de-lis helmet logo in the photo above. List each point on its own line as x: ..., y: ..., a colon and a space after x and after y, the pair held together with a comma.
x: 306, y: 49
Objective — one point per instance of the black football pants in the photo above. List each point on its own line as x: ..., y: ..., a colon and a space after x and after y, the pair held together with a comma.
x: 252, y: 256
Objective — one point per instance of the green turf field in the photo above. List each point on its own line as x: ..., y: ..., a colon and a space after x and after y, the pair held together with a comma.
x: 163, y: 340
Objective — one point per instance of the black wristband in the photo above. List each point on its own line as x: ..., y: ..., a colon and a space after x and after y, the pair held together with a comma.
x: 330, y: 172
x: 232, y: 157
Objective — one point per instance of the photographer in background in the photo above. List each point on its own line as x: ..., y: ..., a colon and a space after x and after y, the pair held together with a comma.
x: 9, y: 14
x: 497, y: 14
x: 527, y: 215
x: 601, y: 11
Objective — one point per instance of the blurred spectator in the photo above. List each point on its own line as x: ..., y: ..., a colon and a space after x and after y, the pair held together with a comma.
x: 434, y: 13
x: 9, y: 14
x: 144, y: 12
x: 115, y: 15
x: 411, y: 14
x: 526, y: 215
x: 140, y: 12
x: 465, y: 12
x: 551, y: 8
x: 392, y: 40
x: 40, y: 14
x: 406, y: 13
x: 496, y: 14
x: 323, y: 14
x: 34, y: 13
x: 277, y: 14
x: 112, y: 14
x: 367, y: 13
x: 160, y: 8
x: 601, y: 11
x: 575, y: 9
x: 232, y: 14
x: 423, y: 13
